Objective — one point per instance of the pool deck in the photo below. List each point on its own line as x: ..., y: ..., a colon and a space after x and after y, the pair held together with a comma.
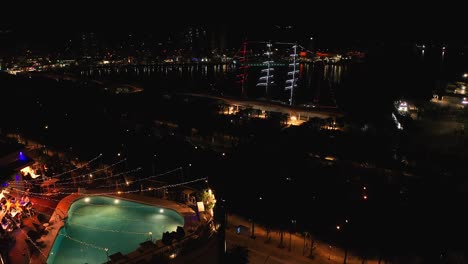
x: 61, y: 212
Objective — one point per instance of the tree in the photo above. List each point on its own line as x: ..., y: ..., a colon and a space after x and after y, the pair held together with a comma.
x: 268, y: 231
x: 281, y: 243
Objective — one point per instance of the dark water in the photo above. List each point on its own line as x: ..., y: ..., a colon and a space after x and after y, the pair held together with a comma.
x: 317, y: 82
x: 362, y: 89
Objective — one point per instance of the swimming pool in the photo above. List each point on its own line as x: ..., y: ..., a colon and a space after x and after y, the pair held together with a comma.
x: 99, y: 222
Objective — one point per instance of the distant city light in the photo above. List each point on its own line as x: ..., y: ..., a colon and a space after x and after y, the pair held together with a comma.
x: 87, y: 199
x: 161, y: 210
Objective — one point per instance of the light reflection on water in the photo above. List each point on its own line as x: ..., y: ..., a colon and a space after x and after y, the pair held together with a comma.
x: 315, y: 83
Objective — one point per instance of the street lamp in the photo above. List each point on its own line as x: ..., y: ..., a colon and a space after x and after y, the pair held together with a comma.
x: 150, y: 235
x: 107, y: 253
x: 293, y: 224
x: 343, y: 230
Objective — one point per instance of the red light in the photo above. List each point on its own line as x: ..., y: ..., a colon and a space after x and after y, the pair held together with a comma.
x: 303, y: 54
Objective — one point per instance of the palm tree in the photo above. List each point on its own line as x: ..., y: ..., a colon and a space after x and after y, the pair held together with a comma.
x: 268, y: 231
x: 281, y: 243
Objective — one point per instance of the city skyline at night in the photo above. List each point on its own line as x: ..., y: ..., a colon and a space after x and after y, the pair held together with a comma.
x: 339, y: 138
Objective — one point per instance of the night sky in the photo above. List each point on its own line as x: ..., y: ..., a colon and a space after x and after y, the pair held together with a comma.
x: 345, y: 24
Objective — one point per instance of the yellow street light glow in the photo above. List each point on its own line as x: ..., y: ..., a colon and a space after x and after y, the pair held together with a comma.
x: 116, y: 201
x: 161, y: 210
x: 87, y: 199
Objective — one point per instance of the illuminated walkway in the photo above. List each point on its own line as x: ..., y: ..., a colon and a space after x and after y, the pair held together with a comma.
x: 269, y: 253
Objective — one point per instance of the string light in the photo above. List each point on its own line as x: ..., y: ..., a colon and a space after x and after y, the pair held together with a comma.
x: 149, y: 177
x: 102, y: 178
x: 97, y: 216
x: 30, y: 239
x: 82, y: 242
x: 66, y: 183
x: 108, y: 230
x: 86, y: 181
x: 125, y: 192
x: 77, y: 168
x: 103, y: 186
x: 105, y: 168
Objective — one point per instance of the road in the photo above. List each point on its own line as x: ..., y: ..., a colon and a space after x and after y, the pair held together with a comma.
x: 269, y: 253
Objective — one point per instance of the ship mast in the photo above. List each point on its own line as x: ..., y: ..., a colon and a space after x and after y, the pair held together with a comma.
x: 267, y: 79
x: 292, y: 83
x: 243, y: 68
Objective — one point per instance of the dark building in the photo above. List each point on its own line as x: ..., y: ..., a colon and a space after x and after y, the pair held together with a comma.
x: 196, y: 41
x: 218, y: 39
x: 89, y: 45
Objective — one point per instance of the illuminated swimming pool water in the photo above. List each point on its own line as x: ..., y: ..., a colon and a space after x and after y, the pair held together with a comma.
x: 100, y: 222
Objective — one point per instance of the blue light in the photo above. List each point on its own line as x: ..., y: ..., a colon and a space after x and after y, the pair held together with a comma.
x: 5, y: 184
x: 17, y: 177
x: 21, y: 156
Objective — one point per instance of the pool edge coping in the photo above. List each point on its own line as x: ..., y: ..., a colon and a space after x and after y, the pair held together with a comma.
x: 60, y: 213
